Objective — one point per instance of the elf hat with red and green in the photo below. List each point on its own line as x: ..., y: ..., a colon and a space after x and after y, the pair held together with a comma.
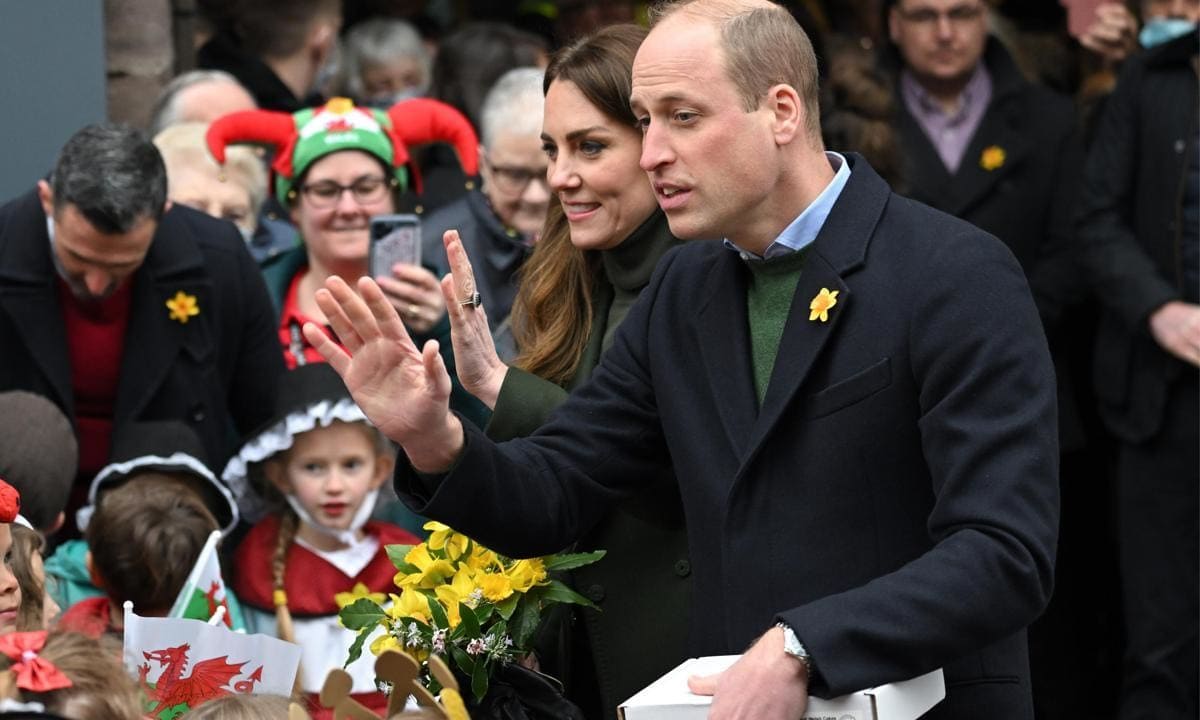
x: 306, y: 136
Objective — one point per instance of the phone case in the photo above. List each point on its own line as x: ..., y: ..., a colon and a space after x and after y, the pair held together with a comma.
x: 394, y: 239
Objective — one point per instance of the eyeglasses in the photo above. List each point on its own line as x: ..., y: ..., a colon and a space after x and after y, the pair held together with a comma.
x: 928, y: 17
x: 513, y: 180
x: 366, y: 190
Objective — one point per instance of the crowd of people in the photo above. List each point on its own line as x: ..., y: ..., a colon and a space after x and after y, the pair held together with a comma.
x: 863, y: 337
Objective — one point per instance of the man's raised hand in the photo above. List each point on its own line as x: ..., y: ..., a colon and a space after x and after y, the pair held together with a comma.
x: 403, y: 390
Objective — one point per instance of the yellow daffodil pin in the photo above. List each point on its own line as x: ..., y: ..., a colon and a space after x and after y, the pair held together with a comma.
x: 993, y: 157
x: 821, y: 305
x: 183, y: 306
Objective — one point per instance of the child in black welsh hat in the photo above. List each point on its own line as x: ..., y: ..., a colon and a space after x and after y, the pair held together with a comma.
x: 148, y: 515
x: 39, y: 455
x: 318, y: 467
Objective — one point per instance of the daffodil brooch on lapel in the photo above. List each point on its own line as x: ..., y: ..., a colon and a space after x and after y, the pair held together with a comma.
x: 821, y: 305
x: 183, y: 306
x: 993, y: 157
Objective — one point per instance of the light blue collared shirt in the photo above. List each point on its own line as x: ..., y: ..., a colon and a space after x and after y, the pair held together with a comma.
x: 801, y: 232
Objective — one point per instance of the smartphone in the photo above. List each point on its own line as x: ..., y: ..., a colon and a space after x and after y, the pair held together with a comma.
x: 394, y: 239
x: 1081, y: 14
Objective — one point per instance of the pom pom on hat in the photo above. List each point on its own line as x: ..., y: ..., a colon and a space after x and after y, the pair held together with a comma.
x: 10, y: 502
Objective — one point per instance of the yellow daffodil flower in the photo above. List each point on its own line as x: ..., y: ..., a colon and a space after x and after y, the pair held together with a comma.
x: 183, y: 307
x: 432, y: 571
x: 442, y: 537
x: 525, y: 574
x: 358, y: 592
x: 410, y: 604
x: 992, y: 158
x: 495, y: 586
x: 482, y: 559
x: 821, y: 305
x: 385, y: 642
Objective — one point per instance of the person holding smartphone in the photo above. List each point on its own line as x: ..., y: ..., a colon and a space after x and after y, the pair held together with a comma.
x: 337, y: 166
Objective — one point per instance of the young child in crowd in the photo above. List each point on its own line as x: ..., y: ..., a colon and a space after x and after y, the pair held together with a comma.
x: 150, y: 513
x: 70, y: 675
x: 319, y: 467
x: 38, y: 609
x: 10, y: 589
x: 38, y: 457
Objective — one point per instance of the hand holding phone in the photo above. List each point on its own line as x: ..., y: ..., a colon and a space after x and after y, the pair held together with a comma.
x: 394, y: 239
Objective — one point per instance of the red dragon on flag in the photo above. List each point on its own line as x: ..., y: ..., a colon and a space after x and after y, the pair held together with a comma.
x: 208, y: 679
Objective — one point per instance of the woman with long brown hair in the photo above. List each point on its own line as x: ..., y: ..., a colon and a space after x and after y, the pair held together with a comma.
x: 601, y: 242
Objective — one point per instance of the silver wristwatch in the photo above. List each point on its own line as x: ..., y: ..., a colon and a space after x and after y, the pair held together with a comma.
x: 792, y: 646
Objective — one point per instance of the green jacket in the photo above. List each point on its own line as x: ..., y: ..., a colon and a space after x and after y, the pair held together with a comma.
x: 643, y: 584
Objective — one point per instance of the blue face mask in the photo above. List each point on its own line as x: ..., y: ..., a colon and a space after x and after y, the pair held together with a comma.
x: 1161, y: 30
x: 383, y: 102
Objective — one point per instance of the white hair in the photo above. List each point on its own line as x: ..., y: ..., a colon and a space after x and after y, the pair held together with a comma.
x: 166, y: 107
x: 514, y: 105
x: 377, y: 42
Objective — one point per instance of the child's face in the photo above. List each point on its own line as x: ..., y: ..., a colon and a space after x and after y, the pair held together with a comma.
x: 330, y: 470
x: 10, y: 592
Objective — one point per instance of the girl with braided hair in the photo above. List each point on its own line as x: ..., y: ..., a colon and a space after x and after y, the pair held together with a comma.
x: 315, y: 471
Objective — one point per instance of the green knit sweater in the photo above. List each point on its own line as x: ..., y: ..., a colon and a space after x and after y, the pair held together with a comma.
x: 768, y: 303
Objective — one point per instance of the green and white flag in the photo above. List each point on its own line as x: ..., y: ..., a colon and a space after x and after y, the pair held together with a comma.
x: 204, y: 590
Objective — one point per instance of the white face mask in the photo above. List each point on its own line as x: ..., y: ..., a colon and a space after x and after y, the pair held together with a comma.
x: 349, y: 536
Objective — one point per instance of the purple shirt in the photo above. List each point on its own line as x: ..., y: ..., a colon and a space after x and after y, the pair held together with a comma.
x: 950, y: 133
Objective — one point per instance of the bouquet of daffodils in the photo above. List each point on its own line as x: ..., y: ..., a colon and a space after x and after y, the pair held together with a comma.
x: 461, y: 601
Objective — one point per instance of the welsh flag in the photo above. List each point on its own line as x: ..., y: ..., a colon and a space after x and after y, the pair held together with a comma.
x: 181, y: 663
x: 204, y: 590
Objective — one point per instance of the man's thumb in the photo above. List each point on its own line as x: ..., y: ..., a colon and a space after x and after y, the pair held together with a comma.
x: 703, y: 684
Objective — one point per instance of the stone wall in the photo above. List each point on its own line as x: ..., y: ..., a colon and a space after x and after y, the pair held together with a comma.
x: 147, y: 42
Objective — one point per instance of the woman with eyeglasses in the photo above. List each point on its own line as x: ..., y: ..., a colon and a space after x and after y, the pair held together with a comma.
x: 499, y: 221
x: 602, y: 238
x: 335, y: 168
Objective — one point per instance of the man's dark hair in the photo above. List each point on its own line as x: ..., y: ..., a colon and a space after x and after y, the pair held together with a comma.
x: 113, y: 175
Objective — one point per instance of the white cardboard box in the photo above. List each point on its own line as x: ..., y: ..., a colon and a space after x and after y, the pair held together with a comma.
x: 668, y: 697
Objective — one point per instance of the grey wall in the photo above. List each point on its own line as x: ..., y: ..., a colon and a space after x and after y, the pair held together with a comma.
x: 52, y: 82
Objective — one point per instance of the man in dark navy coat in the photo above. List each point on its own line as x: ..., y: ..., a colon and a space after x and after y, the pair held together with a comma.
x: 118, y: 308
x: 853, y: 390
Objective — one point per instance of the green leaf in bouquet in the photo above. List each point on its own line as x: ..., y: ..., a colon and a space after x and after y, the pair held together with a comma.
x: 506, y: 606
x: 479, y: 680
x: 397, y: 553
x: 465, y: 662
x: 363, y: 613
x: 556, y: 591
x: 357, y: 646
x: 468, y: 621
x: 570, y: 561
x: 437, y: 612
x: 484, y: 611
x: 522, y: 624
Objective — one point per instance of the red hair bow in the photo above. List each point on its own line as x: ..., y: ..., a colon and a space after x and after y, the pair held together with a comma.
x: 32, y: 672
x: 10, y: 502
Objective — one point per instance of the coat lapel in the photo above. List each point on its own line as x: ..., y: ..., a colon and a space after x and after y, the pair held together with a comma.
x: 153, y: 339
x: 839, y: 248
x: 29, y: 295
x: 726, y: 355
x: 995, y: 149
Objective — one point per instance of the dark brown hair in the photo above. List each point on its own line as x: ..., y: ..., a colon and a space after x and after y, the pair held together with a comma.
x: 552, y: 313
x: 145, y: 537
